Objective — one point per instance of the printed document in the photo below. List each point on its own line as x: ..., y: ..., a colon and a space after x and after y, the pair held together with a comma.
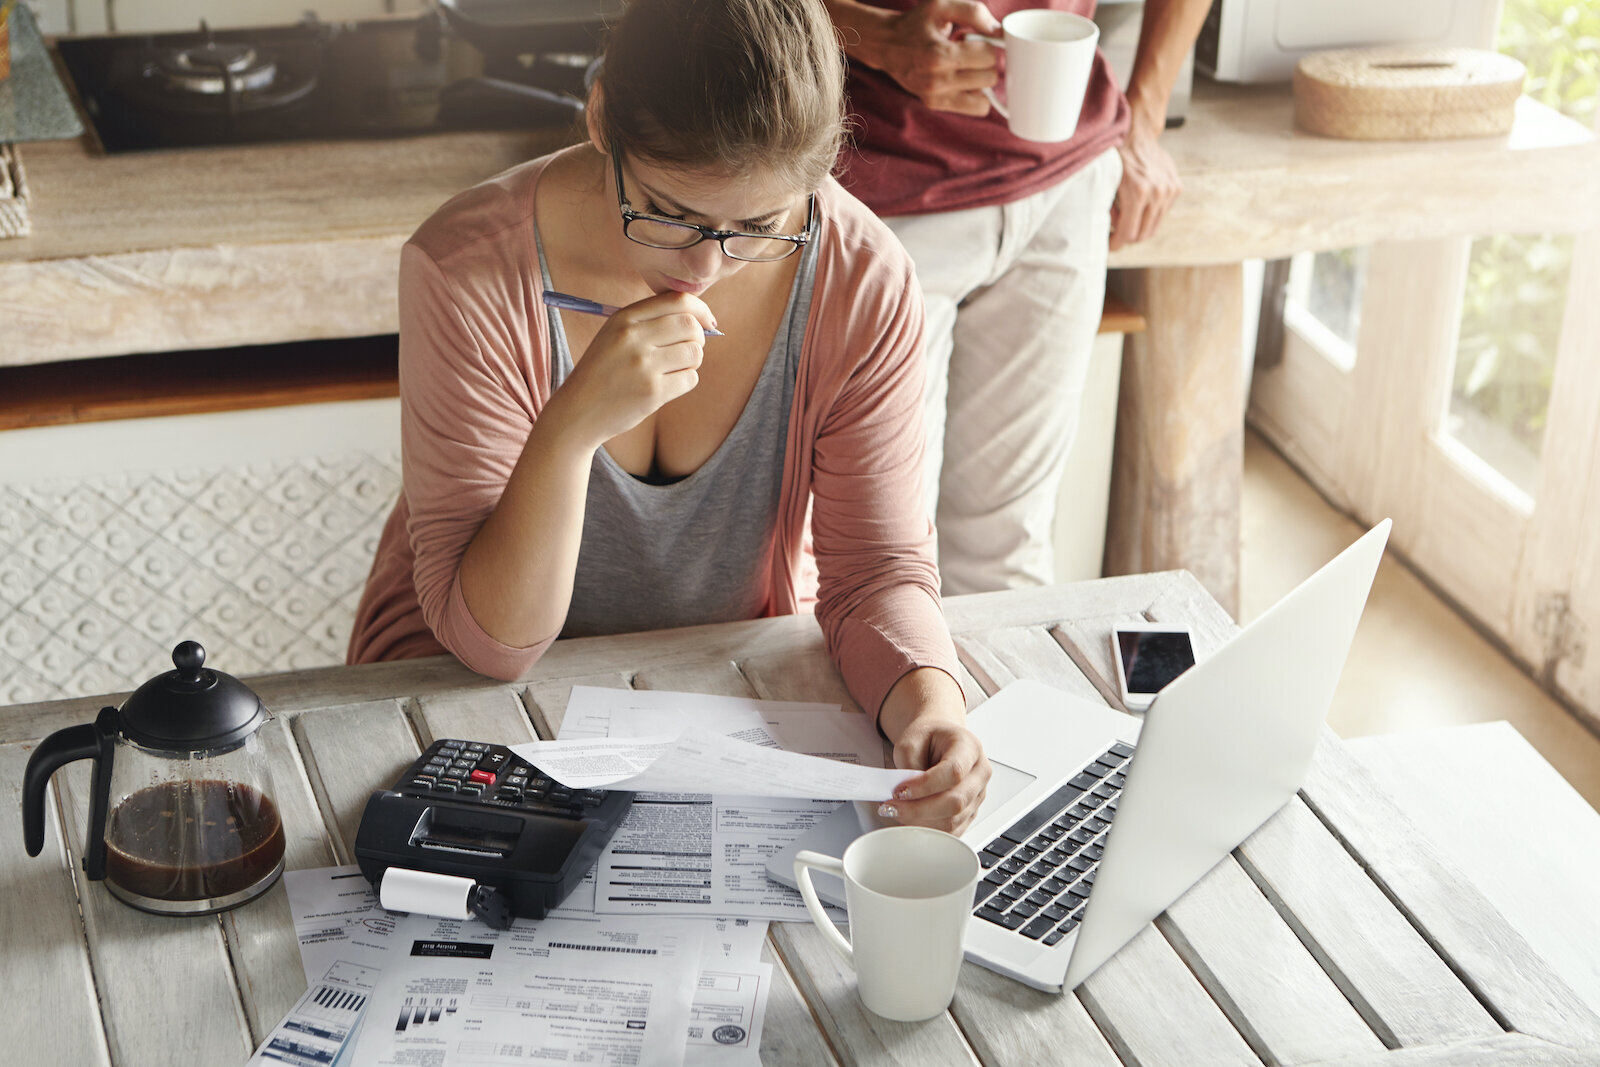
x: 698, y: 758
x: 337, y: 917
x: 345, y: 937
x: 799, y: 726
x: 347, y: 940
x: 705, y: 854
x: 322, y: 1020
x: 725, y: 1018
x: 794, y: 743
x: 730, y: 998
x: 556, y: 991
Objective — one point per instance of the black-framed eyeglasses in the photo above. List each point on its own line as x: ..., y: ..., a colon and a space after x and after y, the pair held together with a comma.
x: 657, y: 232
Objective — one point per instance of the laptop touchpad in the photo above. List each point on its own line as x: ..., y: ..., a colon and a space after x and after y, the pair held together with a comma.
x: 1005, y: 783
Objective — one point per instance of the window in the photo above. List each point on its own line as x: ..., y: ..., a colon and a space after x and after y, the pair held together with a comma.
x: 1323, y: 302
x: 1516, y: 285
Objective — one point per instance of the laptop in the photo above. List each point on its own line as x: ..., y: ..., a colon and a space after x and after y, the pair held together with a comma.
x: 1095, y: 821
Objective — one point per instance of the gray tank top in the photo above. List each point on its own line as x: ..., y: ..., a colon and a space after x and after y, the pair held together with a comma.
x: 694, y: 550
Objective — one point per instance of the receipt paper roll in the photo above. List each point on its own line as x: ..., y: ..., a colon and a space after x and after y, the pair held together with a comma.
x: 444, y: 895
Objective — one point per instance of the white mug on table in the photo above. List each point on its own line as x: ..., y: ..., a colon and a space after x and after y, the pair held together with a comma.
x: 908, y: 892
x: 1049, y: 55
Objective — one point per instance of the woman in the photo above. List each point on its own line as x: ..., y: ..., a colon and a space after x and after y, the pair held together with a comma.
x: 569, y: 474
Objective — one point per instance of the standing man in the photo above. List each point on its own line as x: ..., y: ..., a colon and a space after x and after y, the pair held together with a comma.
x: 1010, y: 240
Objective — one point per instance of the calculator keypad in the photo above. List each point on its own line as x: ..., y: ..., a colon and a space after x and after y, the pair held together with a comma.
x: 492, y: 775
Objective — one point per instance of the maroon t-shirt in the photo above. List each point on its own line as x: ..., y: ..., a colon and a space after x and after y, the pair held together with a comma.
x: 908, y: 159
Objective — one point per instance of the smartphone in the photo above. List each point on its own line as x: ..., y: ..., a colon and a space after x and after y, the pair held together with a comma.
x: 1148, y: 656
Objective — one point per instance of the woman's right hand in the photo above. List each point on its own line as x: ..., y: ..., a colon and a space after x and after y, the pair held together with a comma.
x: 645, y: 356
x: 517, y: 572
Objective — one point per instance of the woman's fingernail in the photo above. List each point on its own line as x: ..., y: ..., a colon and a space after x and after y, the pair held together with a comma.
x: 901, y: 793
x: 888, y: 811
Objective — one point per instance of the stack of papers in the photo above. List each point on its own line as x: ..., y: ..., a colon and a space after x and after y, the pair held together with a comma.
x: 655, y: 960
x: 775, y: 769
x: 388, y: 989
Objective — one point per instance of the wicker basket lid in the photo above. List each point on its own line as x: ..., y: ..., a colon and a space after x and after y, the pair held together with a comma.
x: 1406, y: 92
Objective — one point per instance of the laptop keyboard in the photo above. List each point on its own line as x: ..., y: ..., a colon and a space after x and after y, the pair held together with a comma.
x: 1041, y: 869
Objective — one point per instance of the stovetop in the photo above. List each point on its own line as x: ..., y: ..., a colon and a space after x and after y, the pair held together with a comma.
x: 317, y: 80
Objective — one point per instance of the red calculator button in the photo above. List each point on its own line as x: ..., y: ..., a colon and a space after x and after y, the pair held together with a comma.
x: 486, y: 777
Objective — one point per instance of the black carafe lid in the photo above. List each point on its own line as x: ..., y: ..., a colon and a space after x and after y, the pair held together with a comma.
x: 191, y: 708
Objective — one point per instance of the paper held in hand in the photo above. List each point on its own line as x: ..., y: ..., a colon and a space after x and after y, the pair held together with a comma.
x: 703, y: 761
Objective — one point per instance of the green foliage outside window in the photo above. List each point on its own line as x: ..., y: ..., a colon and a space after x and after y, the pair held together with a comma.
x: 1516, y: 289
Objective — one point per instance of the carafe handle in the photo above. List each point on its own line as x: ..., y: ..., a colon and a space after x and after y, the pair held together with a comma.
x: 93, y: 740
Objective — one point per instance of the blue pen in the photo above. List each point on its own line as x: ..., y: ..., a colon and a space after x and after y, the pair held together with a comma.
x: 568, y: 302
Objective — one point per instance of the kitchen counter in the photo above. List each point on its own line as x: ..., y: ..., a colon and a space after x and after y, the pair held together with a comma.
x: 213, y: 248
x: 246, y: 245
x: 208, y: 248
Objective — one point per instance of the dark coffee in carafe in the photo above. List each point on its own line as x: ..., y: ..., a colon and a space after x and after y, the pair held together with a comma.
x: 180, y: 816
x: 193, y: 840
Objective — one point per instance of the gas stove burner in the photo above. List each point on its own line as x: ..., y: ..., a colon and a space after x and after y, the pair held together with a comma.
x: 211, y: 78
x: 312, y: 80
x: 215, y: 69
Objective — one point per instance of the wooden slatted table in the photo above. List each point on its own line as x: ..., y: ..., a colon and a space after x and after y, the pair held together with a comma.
x: 1334, y: 934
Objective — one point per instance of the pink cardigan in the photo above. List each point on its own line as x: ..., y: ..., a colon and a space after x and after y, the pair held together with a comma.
x: 475, y: 373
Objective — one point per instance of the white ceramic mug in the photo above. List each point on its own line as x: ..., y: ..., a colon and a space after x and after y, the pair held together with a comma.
x: 908, y: 891
x: 1049, y: 55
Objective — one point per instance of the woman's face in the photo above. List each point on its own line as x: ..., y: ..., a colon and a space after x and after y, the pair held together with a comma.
x: 755, y: 203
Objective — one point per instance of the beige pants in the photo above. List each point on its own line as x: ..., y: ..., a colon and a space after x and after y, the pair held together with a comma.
x: 1014, y: 295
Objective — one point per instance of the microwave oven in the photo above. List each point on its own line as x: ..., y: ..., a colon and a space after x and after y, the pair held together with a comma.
x: 1261, y: 40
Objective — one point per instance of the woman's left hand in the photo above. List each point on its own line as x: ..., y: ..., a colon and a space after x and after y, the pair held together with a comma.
x: 926, y: 719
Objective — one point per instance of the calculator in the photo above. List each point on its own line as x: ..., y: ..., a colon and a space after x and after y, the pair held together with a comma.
x: 478, y: 810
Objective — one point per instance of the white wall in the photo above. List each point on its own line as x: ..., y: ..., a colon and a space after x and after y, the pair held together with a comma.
x: 249, y: 531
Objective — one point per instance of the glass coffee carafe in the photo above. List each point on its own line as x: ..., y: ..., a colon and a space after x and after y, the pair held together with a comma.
x: 181, y: 816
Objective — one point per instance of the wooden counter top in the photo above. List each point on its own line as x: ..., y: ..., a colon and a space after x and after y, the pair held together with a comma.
x: 227, y: 246
x: 1255, y: 187
x: 303, y: 193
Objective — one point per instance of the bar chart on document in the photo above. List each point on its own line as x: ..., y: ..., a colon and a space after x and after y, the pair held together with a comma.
x: 332, y: 1003
x: 316, y: 1028
x: 420, y: 1011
